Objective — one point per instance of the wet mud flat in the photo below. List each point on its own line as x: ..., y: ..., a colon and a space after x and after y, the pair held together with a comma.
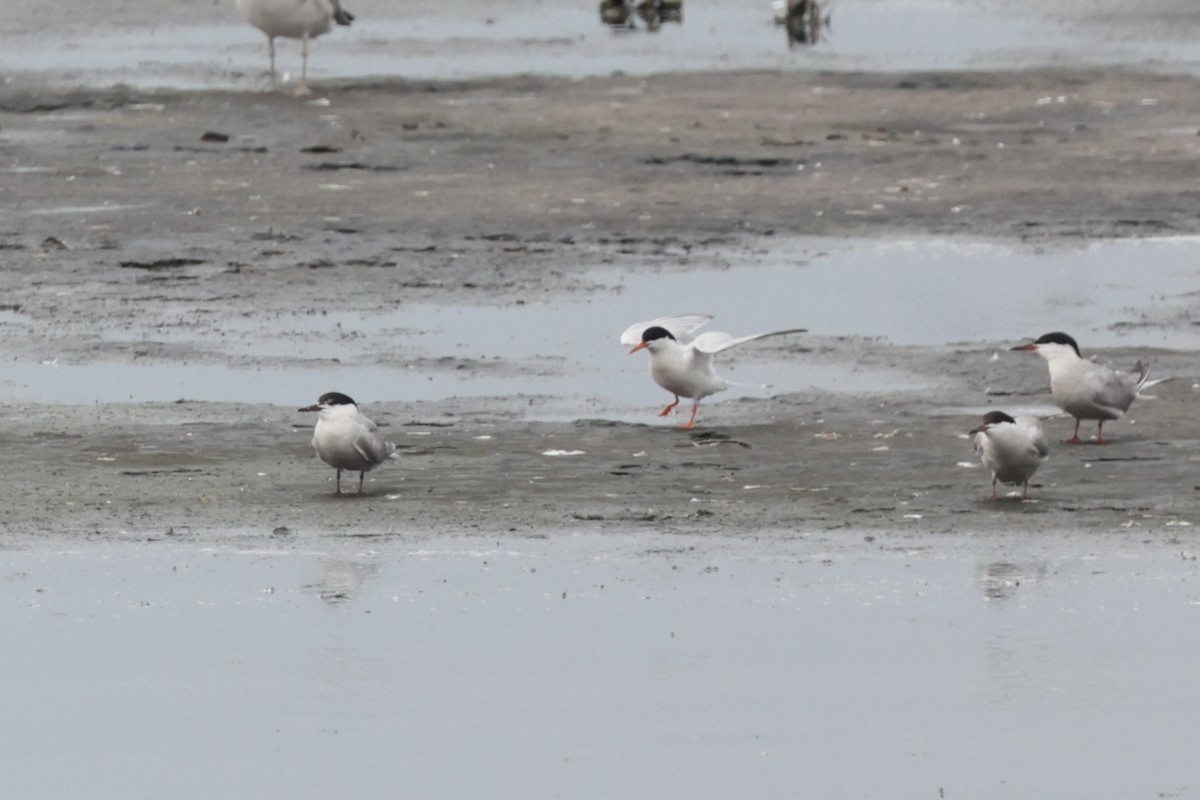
x: 1028, y: 153
x: 204, y: 471
x: 171, y: 229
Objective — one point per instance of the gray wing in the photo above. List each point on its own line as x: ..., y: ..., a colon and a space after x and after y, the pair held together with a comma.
x: 370, y: 443
x: 714, y: 342
x: 681, y: 327
x: 1110, y: 389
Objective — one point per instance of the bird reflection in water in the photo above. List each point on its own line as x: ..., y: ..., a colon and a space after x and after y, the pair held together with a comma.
x: 340, y: 579
x: 1002, y: 579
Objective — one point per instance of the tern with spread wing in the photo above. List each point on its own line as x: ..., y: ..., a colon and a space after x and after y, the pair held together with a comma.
x: 1012, y: 449
x: 1085, y: 389
x: 682, y: 362
x: 347, y: 440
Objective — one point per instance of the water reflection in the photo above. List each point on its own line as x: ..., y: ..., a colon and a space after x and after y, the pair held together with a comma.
x: 1000, y: 580
x: 620, y: 14
x: 340, y: 579
x: 720, y: 646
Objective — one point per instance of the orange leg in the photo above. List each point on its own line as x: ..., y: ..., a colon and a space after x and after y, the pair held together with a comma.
x: 691, y: 423
x: 994, y: 489
x: 1075, y: 436
x: 667, y: 409
x: 1100, y: 433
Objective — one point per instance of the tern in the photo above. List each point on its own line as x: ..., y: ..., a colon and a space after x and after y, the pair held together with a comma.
x: 1085, y: 389
x: 347, y: 440
x: 1012, y: 449
x: 295, y: 19
x: 682, y: 363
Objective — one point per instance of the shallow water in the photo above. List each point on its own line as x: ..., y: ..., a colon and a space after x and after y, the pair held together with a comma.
x: 421, y: 41
x: 928, y: 292
x: 603, y: 665
x: 1129, y: 294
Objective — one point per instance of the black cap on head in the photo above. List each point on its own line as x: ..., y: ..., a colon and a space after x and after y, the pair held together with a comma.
x: 656, y: 332
x: 336, y: 399
x: 992, y: 417
x: 1058, y: 337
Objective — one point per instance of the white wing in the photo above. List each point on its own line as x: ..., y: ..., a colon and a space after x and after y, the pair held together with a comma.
x: 714, y: 342
x: 1037, y: 437
x: 681, y: 328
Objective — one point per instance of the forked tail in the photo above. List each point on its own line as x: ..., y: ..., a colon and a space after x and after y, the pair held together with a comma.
x: 1141, y: 372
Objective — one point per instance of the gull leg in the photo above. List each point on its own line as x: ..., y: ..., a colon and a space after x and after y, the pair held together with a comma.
x: 1025, y: 494
x: 271, y: 52
x: 691, y: 423
x: 303, y: 89
x: 361, y: 476
x: 1075, y: 436
x: 337, y: 484
x: 994, y: 488
x: 667, y: 410
x: 1100, y: 433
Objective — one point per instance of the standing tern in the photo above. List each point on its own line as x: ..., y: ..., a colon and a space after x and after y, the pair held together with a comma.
x: 347, y: 440
x: 1085, y: 389
x: 682, y: 363
x: 295, y: 19
x: 1012, y: 449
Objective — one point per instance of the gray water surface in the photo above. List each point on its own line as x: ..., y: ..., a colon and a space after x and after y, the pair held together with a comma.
x: 603, y: 665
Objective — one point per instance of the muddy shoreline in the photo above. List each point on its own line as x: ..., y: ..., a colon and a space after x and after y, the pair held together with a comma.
x: 1034, y: 154
x: 125, y: 224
